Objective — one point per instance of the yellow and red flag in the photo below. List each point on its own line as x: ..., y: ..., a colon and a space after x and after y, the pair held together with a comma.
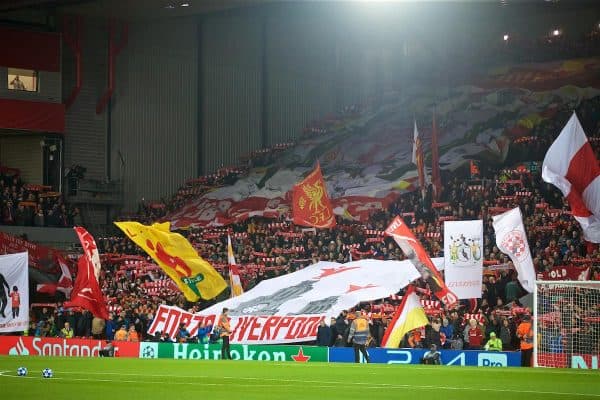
x: 194, y: 276
x: 310, y: 203
x: 410, y: 315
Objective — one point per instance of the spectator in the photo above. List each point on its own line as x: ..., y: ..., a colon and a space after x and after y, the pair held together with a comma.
x: 67, y: 331
x: 323, y: 334
x: 431, y: 357
x: 525, y: 334
x: 494, y: 344
x: 506, y: 334
x: 132, y: 335
x: 183, y: 335
x: 203, y: 332
x: 110, y: 327
x: 475, y: 335
x: 121, y: 334
x: 98, y: 327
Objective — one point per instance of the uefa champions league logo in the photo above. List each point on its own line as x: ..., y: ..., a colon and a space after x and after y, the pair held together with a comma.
x: 149, y: 350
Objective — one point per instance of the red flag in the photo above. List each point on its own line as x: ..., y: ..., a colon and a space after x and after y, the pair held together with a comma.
x: 86, y: 293
x: 418, y: 256
x: 310, y: 203
x: 90, y: 250
x: 436, y: 179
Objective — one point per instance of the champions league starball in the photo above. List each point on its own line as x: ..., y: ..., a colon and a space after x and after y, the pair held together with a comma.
x: 47, y: 373
x: 21, y: 371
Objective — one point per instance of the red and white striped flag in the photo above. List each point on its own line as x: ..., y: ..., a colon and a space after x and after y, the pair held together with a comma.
x: 571, y: 166
x: 234, y: 273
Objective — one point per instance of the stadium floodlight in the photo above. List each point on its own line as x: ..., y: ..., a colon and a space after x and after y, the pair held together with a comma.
x: 505, y: 37
x: 566, y: 324
x: 185, y: 4
x: 556, y: 32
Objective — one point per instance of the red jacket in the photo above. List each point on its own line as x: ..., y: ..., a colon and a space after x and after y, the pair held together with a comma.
x: 475, y: 337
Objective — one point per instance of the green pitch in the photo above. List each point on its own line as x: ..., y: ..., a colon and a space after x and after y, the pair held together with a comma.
x: 149, y: 379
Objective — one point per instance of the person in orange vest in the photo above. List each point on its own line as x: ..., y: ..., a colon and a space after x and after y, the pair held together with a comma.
x: 133, y: 336
x: 525, y: 333
x: 121, y: 335
x: 224, y: 332
x: 15, y: 298
x: 359, y: 335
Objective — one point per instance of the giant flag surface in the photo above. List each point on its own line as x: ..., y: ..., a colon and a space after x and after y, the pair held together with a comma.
x: 366, y: 156
x: 463, y: 257
x: 310, y: 202
x: 235, y: 282
x: 14, y: 309
x: 570, y: 164
x: 511, y: 239
x: 419, y: 258
x: 86, y: 291
x: 194, y: 276
x: 288, y: 308
x: 410, y: 315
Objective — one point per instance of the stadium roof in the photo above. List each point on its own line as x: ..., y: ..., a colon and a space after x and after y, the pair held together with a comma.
x: 133, y: 9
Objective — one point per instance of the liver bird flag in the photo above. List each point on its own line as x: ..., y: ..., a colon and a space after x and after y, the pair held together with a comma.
x: 194, y: 276
x: 310, y: 203
x: 570, y: 164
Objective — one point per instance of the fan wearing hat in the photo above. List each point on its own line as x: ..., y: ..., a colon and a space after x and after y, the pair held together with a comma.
x: 494, y: 344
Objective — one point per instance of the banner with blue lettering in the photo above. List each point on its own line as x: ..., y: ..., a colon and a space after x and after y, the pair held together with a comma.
x: 413, y: 356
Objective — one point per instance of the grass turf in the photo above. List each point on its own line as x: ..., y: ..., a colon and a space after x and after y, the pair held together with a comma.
x: 161, y: 379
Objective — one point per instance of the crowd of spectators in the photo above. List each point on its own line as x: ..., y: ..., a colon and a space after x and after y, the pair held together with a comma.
x: 26, y: 204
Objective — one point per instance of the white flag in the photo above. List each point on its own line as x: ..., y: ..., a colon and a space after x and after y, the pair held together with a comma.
x: 570, y: 164
x: 511, y: 239
x: 463, y: 257
x: 14, y: 292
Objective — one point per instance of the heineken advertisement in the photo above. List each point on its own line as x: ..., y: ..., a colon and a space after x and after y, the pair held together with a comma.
x: 238, y: 352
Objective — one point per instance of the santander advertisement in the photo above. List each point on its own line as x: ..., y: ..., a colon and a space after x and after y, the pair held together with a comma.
x: 58, y: 347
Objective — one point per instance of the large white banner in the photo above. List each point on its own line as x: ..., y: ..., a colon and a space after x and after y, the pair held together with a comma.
x: 14, y: 292
x: 287, y: 309
x: 463, y: 257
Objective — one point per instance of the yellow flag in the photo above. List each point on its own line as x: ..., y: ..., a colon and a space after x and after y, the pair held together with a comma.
x: 408, y: 316
x: 175, y: 255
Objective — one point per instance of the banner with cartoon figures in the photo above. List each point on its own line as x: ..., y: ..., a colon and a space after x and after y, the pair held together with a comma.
x: 463, y: 257
x: 14, y: 292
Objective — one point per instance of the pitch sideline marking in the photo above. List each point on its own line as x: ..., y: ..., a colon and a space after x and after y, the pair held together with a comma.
x: 292, y: 383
